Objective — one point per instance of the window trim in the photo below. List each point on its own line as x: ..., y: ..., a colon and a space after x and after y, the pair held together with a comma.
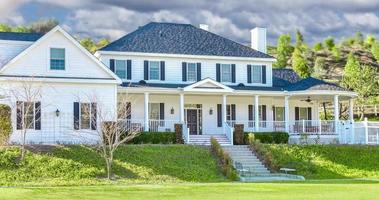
x: 125, y: 68
x: 23, y: 117
x: 252, y: 74
x: 187, y: 66
x: 230, y: 73
x: 65, y: 59
x: 90, y: 115
x: 159, y: 70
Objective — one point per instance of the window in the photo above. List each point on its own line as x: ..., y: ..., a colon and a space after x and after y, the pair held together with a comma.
x: 154, y: 111
x: 191, y: 72
x: 85, y: 115
x: 261, y: 112
x: 154, y: 72
x: 120, y: 68
x: 279, y: 114
x: 256, y: 74
x: 57, y: 59
x: 226, y: 73
x: 303, y: 113
x: 29, y: 115
x: 228, y: 112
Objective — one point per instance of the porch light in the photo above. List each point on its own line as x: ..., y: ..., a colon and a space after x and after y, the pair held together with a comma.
x: 172, y: 110
x: 57, y: 112
x: 211, y: 111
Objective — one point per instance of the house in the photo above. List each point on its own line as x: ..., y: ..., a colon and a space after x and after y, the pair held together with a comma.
x: 172, y: 73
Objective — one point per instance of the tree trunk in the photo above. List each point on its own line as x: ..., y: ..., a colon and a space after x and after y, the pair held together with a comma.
x: 325, y: 113
x: 109, y: 161
x: 23, y: 146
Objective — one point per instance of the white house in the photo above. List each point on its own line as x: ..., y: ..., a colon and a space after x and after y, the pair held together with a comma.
x: 172, y: 73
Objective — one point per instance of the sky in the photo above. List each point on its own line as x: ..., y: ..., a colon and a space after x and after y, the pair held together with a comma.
x: 316, y: 19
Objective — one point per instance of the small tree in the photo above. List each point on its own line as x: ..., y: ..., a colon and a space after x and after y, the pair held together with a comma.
x: 318, y: 46
x: 375, y: 51
x: 358, y: 39
x: 329, y: 43
x: 299, y: 39
x: 319, y: 70
x: 300, y: 64
x: 370, y: 40
x: 336, y: 52
x: 284, y: 50
x: 5, y: 124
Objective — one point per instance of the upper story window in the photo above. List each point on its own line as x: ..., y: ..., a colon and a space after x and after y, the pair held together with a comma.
x: 154, y: 70
x: 256, y: 74
x: 120, y: 68
x: 226, y: 73
x: 191, y: 72
x: 57, y: 59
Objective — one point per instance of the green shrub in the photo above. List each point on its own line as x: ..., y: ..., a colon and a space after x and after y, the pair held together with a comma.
x: 269, y: 137
x: 224, y: 159
x: 263, y: 155
x: 5, y: 124
x: 154, y: 138
x: 238, y: 135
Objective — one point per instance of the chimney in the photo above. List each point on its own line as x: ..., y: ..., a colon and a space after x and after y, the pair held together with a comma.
x: 258, y: 39
x: 204, y: 27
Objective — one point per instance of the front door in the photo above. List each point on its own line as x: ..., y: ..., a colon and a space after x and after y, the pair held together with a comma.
x: 192, y: 122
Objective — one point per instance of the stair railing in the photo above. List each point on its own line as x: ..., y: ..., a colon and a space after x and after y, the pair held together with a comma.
x: 229, y: 132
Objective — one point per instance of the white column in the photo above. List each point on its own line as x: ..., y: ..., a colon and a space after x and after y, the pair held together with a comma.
x: 336, y: 113
x: 181, y: 108
x: 223, y: 112
x: 146, y: 120
x: 286, y: 114
x: 256, y: 112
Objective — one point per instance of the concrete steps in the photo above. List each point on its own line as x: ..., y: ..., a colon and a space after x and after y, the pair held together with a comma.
x: 206, y: 139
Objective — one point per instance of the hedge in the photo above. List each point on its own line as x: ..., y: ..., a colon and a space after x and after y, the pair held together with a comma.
x: 5, y: 124
x: 224, y: 160
x: 154, y: 138
x: 268, y: 137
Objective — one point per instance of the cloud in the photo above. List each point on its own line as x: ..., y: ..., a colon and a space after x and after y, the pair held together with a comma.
x: 9, y: 13
x: 363, y: 20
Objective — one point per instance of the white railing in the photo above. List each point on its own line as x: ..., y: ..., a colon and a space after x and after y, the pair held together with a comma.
x: 162, y: 125
x: 312, y: 127
x: 249, y: 125
x: 229, y: 132
x: 366, y: 132
x: 185, y: 133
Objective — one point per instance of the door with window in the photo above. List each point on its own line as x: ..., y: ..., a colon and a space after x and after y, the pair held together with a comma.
x: 192, y: 121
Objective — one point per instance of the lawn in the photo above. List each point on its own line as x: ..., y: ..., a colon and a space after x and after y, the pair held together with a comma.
x: 304, y: 190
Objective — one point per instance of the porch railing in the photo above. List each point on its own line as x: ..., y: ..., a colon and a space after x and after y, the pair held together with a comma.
x: 312, y: 127
x: 185, y: 133
x: 229, y: 132
x: 249, y: 125
x: 154, y: 125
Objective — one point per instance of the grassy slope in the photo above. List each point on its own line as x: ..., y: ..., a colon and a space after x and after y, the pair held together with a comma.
x: 328, y: 161
x: 214, y: 191
x: 78, y: 165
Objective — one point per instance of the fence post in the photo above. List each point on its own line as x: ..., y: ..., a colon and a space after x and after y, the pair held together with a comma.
x: 365, y: 124
x: 319, y: 127
x: 303, y: 125
x: 352, y: 131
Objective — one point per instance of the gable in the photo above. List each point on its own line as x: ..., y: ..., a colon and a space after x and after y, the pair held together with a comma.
x: 207, y: 85
x: 35, y: 60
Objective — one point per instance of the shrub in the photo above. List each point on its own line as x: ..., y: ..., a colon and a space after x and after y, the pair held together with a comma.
x: 238, y: 135
x: 269, y: 137
x: 5, y: 124
x: 154, y: 138
x: 264, y: 155
x: 179, y: 134
x: 224, y: 160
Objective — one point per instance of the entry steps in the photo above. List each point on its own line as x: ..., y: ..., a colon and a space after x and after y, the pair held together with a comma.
x: 206, y: 139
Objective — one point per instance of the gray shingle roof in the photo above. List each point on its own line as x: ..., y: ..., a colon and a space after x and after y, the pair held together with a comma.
x: 31, y: 37
x: 170, y: 38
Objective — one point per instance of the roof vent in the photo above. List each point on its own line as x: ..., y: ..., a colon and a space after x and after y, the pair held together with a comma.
x: 204, y: 27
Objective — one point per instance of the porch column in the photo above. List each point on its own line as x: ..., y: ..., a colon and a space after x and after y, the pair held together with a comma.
x: 223, y: 112
x: 286, y: 114
x: 146, y: 111
x: 336, y: 114
x: 351, y: 111
x: 256, y: 112
x: 181, y: 109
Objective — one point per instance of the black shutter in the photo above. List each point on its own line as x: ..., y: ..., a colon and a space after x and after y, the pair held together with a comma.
x: 37, y: 116
x: 163, y: 70
x: 161, y: 111
x: 184, y: 71
x: 198, y: 71
x: 129, y: 69
x: 146, y: 70
x: 250, y: 111
x: 264, y: 74
x: 218, y: 77
x: 309, y: 113
x: 93, y: 116
x: 76, y: 115
x: 248, y: 73
x: 297, y: 114
x: 273, y: 113
x: 264, y: 113
x: 233, y: 111
x: 111, y: 64
x: 219, y: 115
x: 128, y: 110
x: 233, y: 73
x: 19, y: 106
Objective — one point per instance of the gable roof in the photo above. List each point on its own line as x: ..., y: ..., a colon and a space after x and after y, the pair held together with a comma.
x: 209, y: 85
x: 171, y: 38
x: 69, y: 37
x: 30, y: 37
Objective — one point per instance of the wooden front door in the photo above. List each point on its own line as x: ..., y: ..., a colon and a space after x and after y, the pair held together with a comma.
x: 192, y: 121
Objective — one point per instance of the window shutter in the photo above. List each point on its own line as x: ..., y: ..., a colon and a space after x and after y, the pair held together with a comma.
x: 297, y: 114
x: 264, y: 113
x: 19, y: 105
x: 37, y: 115
x: 184, y: 71
x: 128, y: 110
x: 93, y: 116
x: 273, y: 113
x: 161, y: 111
x: 264, y: 74
x: 111, y: 64
x: 163, y: 70
x: 250, y: 112
x: 219, y: 116
x: 233, y: 111
x: 198, y: 71
x: 218, y: 78
x: 248, y: 73
x: 233, y: 73
x: 129, y: 69
x: 309, y: 113
x: 146, y: 70
x: 76, y: 115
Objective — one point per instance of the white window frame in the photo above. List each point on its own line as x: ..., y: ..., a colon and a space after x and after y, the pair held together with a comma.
x: 159, y: 111
x: 23, y: 117
x: 276, y: 111
x: 221, y: 73
x: 252, y: 74
x: 65, y: 59
x: 125, y: 68
x: 306, y: 113
x: 260, y: 112
x: 159, y: 70
x: 90, y: 115
x: 188, y: 78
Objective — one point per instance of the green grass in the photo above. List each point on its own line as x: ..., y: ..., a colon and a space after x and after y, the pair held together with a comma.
x: 81, y: 165
x: 207, y: 191
x: 328, y: 161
